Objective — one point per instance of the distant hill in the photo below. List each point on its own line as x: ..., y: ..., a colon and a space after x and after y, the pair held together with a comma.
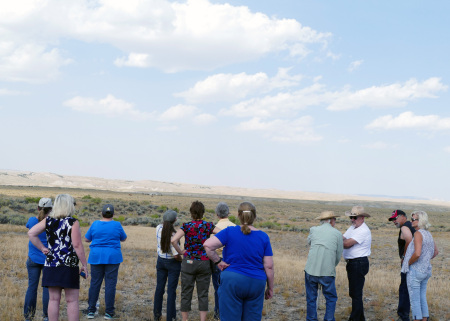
x: 24, y: 178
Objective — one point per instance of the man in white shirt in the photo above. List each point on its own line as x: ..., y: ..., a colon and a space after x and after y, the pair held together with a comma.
x: 357, y: 242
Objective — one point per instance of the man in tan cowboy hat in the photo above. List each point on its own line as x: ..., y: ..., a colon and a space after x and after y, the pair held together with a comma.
x: 357, y: 241
x: 324, y: 255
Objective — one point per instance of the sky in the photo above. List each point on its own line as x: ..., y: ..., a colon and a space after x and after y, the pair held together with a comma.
x: 348, y: 97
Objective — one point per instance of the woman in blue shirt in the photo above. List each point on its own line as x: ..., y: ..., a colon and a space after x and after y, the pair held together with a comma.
x: 105, y: 257
x: 247, y: 267
x: 35, y: 264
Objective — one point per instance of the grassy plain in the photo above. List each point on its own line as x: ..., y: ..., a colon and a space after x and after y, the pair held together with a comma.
x: 289, y: 222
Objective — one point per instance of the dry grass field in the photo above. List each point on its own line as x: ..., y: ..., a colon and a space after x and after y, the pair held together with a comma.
x: 288, y: 229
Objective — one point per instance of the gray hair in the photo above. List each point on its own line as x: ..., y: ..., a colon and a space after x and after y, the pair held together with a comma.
x: 328, y: 220
x: 423, y: 219
x: 222, y: 210
x: 63, y: 206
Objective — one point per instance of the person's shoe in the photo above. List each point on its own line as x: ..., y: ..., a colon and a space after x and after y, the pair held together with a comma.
x: 45, y: 319
x: 110, y: 317
x: 90, y: 315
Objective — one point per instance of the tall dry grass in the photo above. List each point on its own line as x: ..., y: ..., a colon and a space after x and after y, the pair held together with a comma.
x: 137, y: 277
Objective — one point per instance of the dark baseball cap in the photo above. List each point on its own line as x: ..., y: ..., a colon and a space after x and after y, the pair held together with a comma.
x: 108, y: 208
x: 395, y: 214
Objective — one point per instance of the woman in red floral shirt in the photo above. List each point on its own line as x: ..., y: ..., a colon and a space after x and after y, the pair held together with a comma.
x: 195, y: 268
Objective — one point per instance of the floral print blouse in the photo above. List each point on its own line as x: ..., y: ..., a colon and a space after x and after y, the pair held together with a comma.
x: 59, y: 238
x: 195, y: 234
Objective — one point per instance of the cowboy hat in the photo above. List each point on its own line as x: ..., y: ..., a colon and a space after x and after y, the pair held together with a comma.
x: 326, y: 215
x: 357, y: 211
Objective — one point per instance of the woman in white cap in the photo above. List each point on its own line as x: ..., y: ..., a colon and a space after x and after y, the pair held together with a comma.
x: 168, y: 267
x: 35, y: 264
x: 105, y: 258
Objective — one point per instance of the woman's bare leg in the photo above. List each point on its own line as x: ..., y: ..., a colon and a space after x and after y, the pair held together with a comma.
x: 73, y: 309
x: 185, y: 316
x: 203, y: 315
x: 54, y: 293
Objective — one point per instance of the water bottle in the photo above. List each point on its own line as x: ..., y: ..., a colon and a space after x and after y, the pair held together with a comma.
x: 97, y: 306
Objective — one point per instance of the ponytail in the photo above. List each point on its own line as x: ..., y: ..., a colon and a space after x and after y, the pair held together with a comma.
x: 43, y: 212
x: 166, y: 235
x: 247, y: 215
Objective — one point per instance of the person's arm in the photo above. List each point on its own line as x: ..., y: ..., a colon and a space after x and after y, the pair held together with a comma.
x: 418, y: 239
x: 268, y: 268
x: 175, y: 239
x: 339, y: 250
x: 436, y: 251
x: 407, y: 236
x: 33, y: 234
x: 348, y: 243
x: 210, y: 246
x: 78, y: 247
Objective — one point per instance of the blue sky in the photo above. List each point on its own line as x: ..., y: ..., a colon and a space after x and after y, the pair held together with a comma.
x: 346, y: 97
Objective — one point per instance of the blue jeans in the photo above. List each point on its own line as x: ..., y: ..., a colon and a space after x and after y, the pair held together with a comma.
x: 329, y: 292
x: 216, y: 282
x: 241, y: 297
x: 356, y: 272
x: 109, y: 272
x: 34, y: 274
x: 403, y: 299
x: 167, y: 270
x: 417, y: 288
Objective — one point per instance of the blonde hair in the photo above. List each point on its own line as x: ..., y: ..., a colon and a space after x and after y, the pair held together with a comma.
x: 423, y: 219
x: 246, y: 214
x: 63, y: 206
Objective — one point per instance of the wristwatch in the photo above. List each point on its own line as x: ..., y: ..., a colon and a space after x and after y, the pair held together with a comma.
x: 220, y: 260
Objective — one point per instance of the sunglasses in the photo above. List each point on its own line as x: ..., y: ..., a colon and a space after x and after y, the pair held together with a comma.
x: 414, y: 219
x: 353, y: 217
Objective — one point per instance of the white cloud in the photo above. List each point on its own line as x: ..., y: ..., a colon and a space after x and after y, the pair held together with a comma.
x: 289, y: 103
x: 379, y: 145
x: 394, y: 95
x: 177, y: 112
x: 408, y: 120
x: 29, y: 62
x: 8, y: 92
x: 232, y: 87
x: 171, y: 36
x: 281, y: 104
x: 296, y: 130
x: 204, y: 119
x: 355, y: 65
x: 109, y: 106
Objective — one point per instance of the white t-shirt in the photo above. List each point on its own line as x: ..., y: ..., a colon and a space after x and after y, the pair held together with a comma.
x: 363, y: 238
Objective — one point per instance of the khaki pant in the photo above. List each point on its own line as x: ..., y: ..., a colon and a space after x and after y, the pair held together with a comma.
x: 195, y: 272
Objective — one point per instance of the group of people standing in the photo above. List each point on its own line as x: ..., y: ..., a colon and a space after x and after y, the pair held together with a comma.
x: 416, y: 249
x: 56, y: 248
x: 243, y: 277
x: 238, y: 259
x: 239, y: 277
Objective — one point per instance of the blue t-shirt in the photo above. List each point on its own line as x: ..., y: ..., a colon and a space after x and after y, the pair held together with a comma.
x: 245, y: 253
x: 33, y: 252
x: 105, y: 245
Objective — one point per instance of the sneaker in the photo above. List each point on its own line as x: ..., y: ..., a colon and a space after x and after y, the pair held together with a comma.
x: 90, y: 315
x: 110, y: 317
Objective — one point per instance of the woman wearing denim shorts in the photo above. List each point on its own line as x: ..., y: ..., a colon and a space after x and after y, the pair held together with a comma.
x: 247, y: 267
x: 417, y: 265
